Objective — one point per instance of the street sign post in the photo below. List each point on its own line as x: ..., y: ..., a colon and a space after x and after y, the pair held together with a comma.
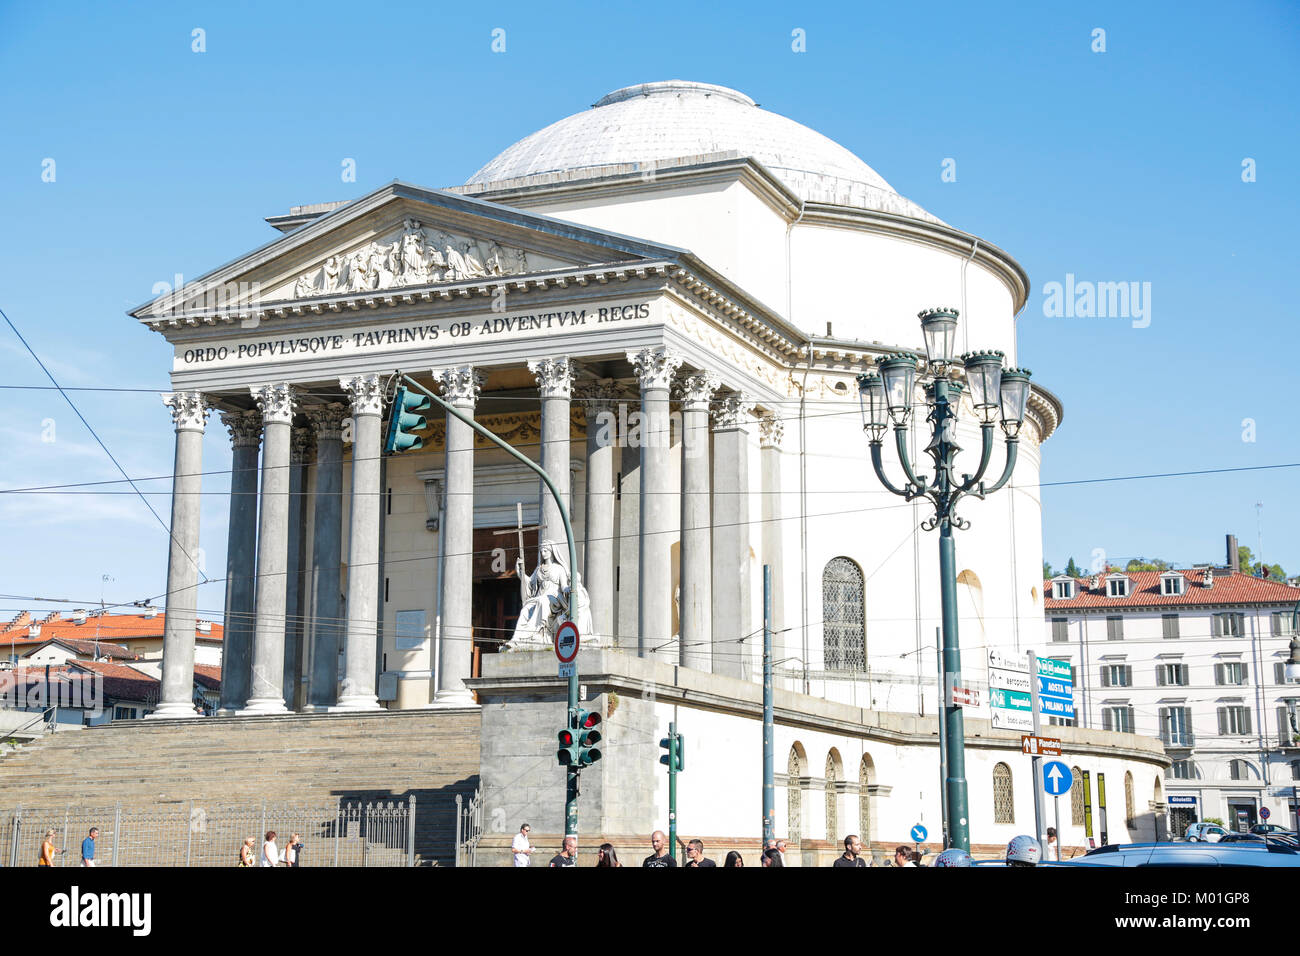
x: 1040, y: 746
x: 919, y: 833
x: 567, y: 640
x: 1265, y: 813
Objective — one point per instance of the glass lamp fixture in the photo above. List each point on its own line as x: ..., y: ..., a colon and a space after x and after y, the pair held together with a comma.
x: 1014, y: 393
x: 939, y: 326
x: 875, y: 415
x: 898, y: 375
x: 984, y: 378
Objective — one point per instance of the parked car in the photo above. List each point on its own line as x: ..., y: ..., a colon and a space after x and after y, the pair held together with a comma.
x: 1270, y: 828
x: 1205, y: 833
x: 1243, y: 853
x: 1280, y: 838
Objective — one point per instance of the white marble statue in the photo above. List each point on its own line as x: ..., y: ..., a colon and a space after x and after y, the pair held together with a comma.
x: 546, y: 597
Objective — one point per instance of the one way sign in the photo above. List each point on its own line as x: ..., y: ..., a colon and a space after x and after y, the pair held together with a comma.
x: 1057, y: 778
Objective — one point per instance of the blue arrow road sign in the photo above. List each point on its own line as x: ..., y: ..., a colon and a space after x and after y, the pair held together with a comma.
x: 918, y: 834
x: 1057, y: 778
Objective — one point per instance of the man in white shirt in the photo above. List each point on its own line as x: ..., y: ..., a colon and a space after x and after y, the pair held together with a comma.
x: 520, y: 846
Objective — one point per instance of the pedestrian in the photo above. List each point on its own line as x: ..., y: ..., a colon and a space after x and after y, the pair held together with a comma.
x: 852, y: 852
x: 660, y: 857
x: 88, y: 847
x: 48, y: 849
x: 246, y: 852
x: 568, y: 855
x: 904, y: 856
x: 734, y: 859
x: 270, y: 852
x: 780, y: 848
x: 772, y: 858
x: 1053, y: 848
x: 292, y: 850
x: 606, y: 855
x: 520, y: 848
x: 695, y: 855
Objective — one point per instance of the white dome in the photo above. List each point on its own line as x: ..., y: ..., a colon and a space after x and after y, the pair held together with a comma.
x: 653, y: 122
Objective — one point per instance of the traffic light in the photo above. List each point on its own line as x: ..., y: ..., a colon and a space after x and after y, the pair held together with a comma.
x: 588, y: 737
x: 567, y: 754
x: 404, y: 421
x: 674, y: 759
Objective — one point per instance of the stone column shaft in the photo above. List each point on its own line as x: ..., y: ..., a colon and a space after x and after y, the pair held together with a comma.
x: 267, y: 695
x: 189, y: 414
x: 358, y: 691
x: 770, y: 432
x: 655, y: 368
x: 555, y: 378
x: 598, y: 552
x: 326, y: 557
x: 295, y: 596
x: 695, y: 605
x: 241, y: 561
x: 461, y: 387
x: 732, y: 640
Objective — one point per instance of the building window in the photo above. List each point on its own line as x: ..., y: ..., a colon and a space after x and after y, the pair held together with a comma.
x: 1076, y: 797
x: 865, y: 773
x: 794, y: 771
x: 1004, y: 810
x: 1234, y: 721
x: 1114, y: 628
x: 1228, y: 624
x: 1171, y: 675
x: 1295, y: 769
x: 1169, y: 622
x: 844, y: 634
x: 1280, y: 623
x: 1117, y: 675
x: 124, y: 713
x: 1239, y: 770
x: 1176, y: 726
x: 1117, y: 587
x: 1063, y: 590
x: 1172, y: 584
x: 1118, y: 718
x: 1130, y: 818
x: 1062, y: 722
x: 1279, y: 674
x: 1060, y: 630
x: 832, y: 797
x: 1181, y: 770
x: 1288, y: 724
x: 1230, y: 672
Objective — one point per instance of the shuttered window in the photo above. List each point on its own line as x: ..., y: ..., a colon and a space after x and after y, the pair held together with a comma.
x: 1234, y: 721
x: 1114, y: 628
x: 1060, y: 629
x: 1169, y: 624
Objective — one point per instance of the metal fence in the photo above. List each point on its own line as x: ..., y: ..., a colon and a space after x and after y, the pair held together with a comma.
x: 378, y: 833
x: 469, y: 828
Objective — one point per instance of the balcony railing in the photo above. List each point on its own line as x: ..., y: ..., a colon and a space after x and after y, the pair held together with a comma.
x: 1179, y: 740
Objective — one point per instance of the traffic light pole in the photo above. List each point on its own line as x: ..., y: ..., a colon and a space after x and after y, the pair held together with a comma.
x: 672, y: 789
x: 571, y: 783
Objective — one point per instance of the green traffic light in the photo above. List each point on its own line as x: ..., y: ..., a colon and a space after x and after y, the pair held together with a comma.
x: 403, y: 421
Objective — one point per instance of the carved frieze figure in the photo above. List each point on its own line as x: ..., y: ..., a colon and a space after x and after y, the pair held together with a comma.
x: 413, y: 266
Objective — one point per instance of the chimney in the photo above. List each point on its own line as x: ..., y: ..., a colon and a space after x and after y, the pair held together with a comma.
x: 203, y: 627
x: 1233, y: 563
x: 79, y: 616
x: 150, y: 612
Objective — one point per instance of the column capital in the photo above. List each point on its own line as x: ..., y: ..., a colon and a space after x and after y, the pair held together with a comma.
x: 366, y: 393
x: 189, y: 410
x: 554, y: 376
x: 696, y: 389
x: 601, y: 395
x: 770, y: 432
x: 245, y: 427
x: 655, y: 367
x: 302, y: 441
x: 327, y: 420
x: 276, y: 402
x: 732, y: 411
x: 460, y: 383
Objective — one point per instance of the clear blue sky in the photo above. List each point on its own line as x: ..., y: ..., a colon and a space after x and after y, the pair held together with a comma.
x: 1115, y: 166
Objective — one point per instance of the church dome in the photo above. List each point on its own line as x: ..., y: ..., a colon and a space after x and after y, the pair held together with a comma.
x: 652, y: 123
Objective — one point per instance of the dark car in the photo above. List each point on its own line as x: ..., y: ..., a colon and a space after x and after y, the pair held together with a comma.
x: 1278, y: 837
x: 1243, y: 853
x: 1271, y: 828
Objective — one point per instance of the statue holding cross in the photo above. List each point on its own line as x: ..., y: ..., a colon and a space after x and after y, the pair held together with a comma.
x: 547, y: 595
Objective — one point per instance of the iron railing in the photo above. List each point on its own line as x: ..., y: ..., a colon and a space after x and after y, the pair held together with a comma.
x: 376, y: 833
x: 469, y: 828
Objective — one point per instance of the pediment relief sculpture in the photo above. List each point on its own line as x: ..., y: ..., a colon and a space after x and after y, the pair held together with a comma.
x: 419, y: 256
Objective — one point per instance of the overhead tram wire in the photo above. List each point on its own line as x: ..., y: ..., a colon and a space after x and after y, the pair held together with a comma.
x: 99, y: 441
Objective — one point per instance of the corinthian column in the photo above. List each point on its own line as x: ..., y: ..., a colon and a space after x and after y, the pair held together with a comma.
x: 695, y: 605
x: 555, y: 377
x: 601, y: 408
x: 771, y: 430
x: 460, y: 386
x: 276, y: 403
x: 189, y: 415
x: 732, y: 639
x: 241, y: 560
x: 296, y: 593
x: 367, y: 395
x: 326, y: 556
x: 655, y: 368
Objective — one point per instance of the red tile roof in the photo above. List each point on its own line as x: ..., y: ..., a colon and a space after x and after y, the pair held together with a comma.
x: 122, y: 682
x: 1145, y: 591
x: 207, y: 676
x: 110, y: 627
x: 87, y: 647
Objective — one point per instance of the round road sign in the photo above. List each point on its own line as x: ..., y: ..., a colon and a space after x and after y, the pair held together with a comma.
x: 1264, y: 813
x: 1057, y: 778
x: 918, y: 834
x: 566, y: 642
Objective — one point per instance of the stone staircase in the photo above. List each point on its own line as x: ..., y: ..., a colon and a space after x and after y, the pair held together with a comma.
x: 170, y: 767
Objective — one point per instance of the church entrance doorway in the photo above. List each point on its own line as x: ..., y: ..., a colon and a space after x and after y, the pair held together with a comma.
x: 496, y: 598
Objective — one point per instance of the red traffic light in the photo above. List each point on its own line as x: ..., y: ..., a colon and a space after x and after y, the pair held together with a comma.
x: 566, y: 738
x: 590, y: 720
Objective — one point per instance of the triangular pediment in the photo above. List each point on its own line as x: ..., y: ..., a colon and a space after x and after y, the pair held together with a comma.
x: 397, y: 240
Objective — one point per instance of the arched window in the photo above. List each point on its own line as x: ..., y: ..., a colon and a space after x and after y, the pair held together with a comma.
x: 794, y: 770
x: 1076, y: 798
x: 832, y: 796
x: 1129, y: 816
x: 844, y: 633
x: 1003, y: 806
x: 1240, y: 770
x: 866, y: 779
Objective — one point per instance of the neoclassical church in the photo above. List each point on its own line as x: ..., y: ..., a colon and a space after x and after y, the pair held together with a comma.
x: 665, y: 300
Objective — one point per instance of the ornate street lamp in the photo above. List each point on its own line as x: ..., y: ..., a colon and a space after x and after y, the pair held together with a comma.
x: 997, y: 394
x: 1291, y: 670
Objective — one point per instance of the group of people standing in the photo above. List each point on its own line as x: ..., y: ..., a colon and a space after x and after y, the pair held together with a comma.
x: 521, y: 851
x: 271, y: 854
x: 48, y: 849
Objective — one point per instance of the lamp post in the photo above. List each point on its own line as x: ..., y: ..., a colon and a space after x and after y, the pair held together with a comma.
x: 886, y: 397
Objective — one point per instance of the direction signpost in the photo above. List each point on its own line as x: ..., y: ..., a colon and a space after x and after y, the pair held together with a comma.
x: 919, y: 833
x: 1057, y: 779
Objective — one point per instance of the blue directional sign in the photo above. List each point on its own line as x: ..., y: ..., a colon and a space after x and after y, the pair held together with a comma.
x: 1055, y: 688
x: 918, y: 834
x: 1057, y: 778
